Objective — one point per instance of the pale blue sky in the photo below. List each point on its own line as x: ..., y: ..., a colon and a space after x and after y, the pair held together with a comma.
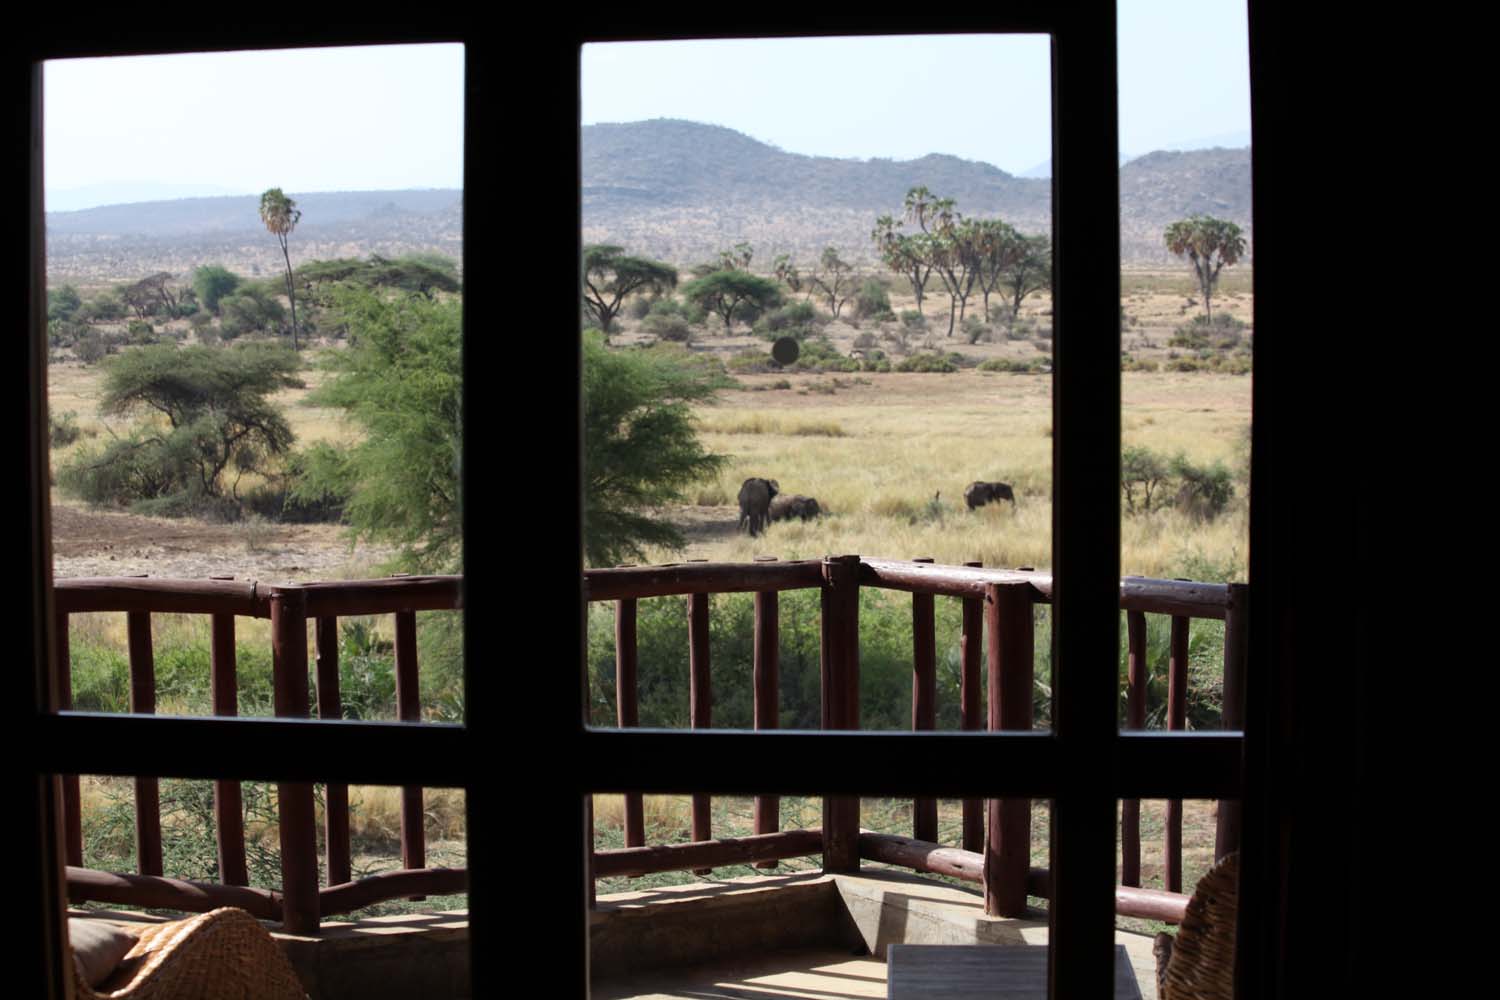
x: 1184, y: 76
x: 392, y: 116
x: 366, y: 118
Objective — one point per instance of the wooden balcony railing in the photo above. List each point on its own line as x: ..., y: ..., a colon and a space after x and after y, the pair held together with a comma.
x: 995, y: 842
x: 301, y: 902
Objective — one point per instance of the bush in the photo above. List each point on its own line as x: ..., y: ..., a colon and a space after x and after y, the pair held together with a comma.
x: 140, y: 333
x: 1204, y: 491
x: 913, y: 321
x: 926, y: 363
x: 689, y: 311
x: 638, y: 307
x: 873, y: 301
x: 1036, y: 365
x: 92, y: 347
x: 1221, y: 333
x: 799, y: 320
x: 63, y: 429
x: 1142, y: 475
x: 975, y: 329
x: 668, y: 327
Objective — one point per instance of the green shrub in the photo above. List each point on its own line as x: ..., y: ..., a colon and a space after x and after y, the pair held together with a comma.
x: 63, y: 429
x: 1204, y: 491
x: 975, y: 329
x: 1019, y: 366
x: 873, y: 301
x: 913, y: 321
x: 926, y: 363
x: 690, y: 311
x: 1221, y: 333
x: 674, y: 328
x: 797, y: 319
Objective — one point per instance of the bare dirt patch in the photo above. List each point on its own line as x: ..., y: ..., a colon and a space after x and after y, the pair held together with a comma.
x: 106, y: 543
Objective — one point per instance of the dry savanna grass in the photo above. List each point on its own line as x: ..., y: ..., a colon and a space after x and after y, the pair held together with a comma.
x: 895, y: 451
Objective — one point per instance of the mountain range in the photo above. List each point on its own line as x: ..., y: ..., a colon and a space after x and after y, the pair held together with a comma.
x: 680, y: 191
x: 675, y: 190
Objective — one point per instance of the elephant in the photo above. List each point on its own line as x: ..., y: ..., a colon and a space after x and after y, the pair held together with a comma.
x: 784, y: 508
x: 977, y: 494
x: 755, y: 503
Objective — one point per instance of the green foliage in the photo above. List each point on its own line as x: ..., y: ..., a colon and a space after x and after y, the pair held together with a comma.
x: 1204, y: 491
x: 609, y: 276
x: 796, y: 319
x: 1222, y: 332
x: 217, y: 416
x: 253, y: 308
x: 725, y: 292
x: 401, y: 380
x: 281, y: 215
x: 62, y: 303
x: 213, y: 283
x: 926, y: 363
x: 1142, y: 474
x: 104, y: 308
x: 1020, y: 367
x: 138, y: 332
x: 666, y: 326
x: 422, y: 274
x: 873, y: 301
x: 63, y: 429
x: 641, y: 448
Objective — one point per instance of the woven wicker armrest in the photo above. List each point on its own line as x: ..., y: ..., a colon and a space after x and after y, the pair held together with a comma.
x: 224, y: 954
x: 1199, y: 963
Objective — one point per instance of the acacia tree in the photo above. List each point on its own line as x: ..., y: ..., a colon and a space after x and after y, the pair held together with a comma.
x: 723, y: 292
x: 835, y: 278
x: 786, y: 272
x: 1209, y: 244
x: 281, y: 215
x: 211, y: 411
x: 213, y: 284
x: 401, y: 382
x: 640, y: 447
x: 609, y: 276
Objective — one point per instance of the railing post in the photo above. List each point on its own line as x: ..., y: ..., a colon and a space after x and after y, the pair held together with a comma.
x: 409, y: 709
x: 970, y: 715
x: 1007, y: 855
x: 924, y: 812
x: 1138, y: 676
x: 335, y: 796
x: 840, y: 690
x: 1176, y: 720
x: 767, y: 671
x: 627, y: 711
x: 1236, y: 655
x: 700, y: 704
x: 229, y: 815
x: 143, y: 700
x: 71, y: 798
x: 294, y: 799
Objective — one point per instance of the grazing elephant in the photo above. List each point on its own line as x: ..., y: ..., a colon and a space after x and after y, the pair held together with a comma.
x: 755, y: 503
x: 784, y: 508
x: 977, y: 494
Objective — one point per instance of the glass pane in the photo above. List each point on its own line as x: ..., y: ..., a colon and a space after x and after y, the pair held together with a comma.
x: 254, y: 380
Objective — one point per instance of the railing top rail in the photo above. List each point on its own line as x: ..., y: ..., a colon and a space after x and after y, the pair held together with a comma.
x: 1175, y: 597
x: 251, y: 598
x: 700, y: 578
x: 121, y: 593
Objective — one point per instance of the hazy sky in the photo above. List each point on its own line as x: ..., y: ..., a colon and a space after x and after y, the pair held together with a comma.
x: 1184, y: 75
x: 363, y: 118
x: 392, y: 116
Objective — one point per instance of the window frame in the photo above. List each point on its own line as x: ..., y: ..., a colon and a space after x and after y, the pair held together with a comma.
x: 1279, y: 700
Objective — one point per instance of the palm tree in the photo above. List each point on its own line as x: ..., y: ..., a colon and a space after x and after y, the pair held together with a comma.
x: 281, y: 214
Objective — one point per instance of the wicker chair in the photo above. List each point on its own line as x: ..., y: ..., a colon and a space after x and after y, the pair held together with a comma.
x: 1199, y: 963
x: 224, y: 954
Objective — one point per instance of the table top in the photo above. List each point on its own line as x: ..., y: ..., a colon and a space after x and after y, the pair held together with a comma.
x: 982, y: 972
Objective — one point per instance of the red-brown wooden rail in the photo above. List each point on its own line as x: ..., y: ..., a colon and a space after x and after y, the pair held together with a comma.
x: 700, y: 703
x: 839, y: 658
x: 335, y: 796
x: 223, y: 599
x: 1176, y: 720
x: 1138, y: 676
x: 924, y: 811
x: 766, y: 680
x: 409, y: 709
x: 970, y: 714
x: 627, y: 710
x: 1007, y: 857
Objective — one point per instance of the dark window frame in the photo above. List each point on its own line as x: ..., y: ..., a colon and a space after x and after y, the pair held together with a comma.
x: 1279, y: 699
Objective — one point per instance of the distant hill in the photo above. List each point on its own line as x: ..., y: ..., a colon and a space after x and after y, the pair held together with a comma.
x: 681, y: 190
x: 118, y: 241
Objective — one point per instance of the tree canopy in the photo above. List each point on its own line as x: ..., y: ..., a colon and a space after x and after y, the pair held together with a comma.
x: 640, y: 446
x: 401, y: 381
x: 213, y: 284
x: 216, y: 411
x: 1209, y: 244
x: 609, y: 275
x: 724, y: 292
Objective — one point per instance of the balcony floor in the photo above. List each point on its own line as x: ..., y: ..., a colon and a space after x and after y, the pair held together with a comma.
x: 744, y: 933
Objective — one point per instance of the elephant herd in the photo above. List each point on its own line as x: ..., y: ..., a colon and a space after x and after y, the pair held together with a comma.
x: 762, y: 502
